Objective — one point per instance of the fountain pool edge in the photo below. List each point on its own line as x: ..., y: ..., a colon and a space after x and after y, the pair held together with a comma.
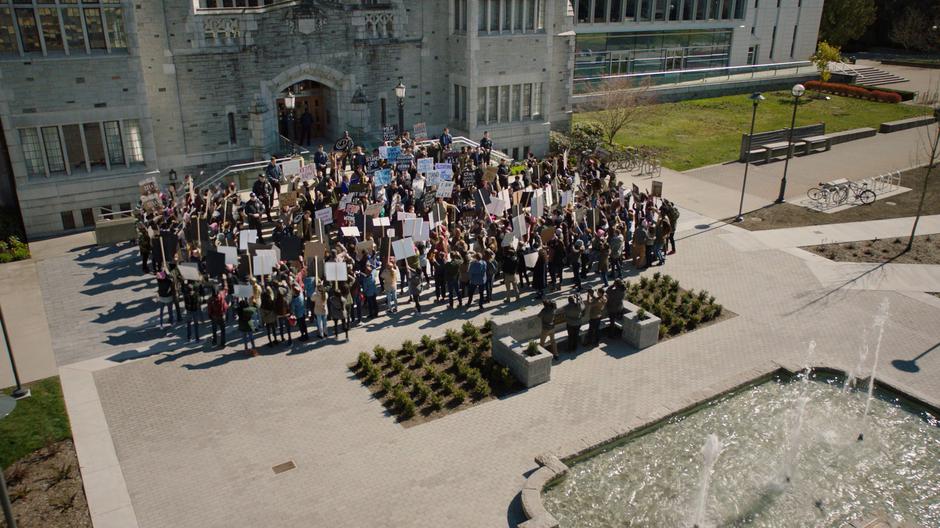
x: 552, y: 468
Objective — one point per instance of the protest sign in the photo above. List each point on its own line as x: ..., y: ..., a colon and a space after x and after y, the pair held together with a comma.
x: 657, y: 189
x: 445, y: 170
x: 420, y: 131
x: 428, y: 200
x: 288, y: 198
x: 445, y: 189
x: 434, y: 177
x: 519, y: 228
x: 383, y: 152
x: 215, y: 263
x: 392, y: 153
x: 190, y: 271
x: 401, y: 215
x: 246, y: 237
x: 307, y: 172
x: 231, y: 254
x: 404, y: 248
x: 291, y: 247
x: 243, y: 291
x: 148, y: 186
x: 547, y: 234
x: 468, y: 178
x: 496, y: 207
x: 343, y: 143
x: 389, y: 132
x: 422, y: 233
x: 425, y: 164
x: 258, y: 266
x: 336, y: 271
x: 351, y: 231
x: 538, y: 205
x: 374, y: 209
x: 365, y: 246
x: 382, y: 177
x: 403, y: 162
x: 290, y: 167
x: 531, y: 259
x: 325, y: 215
x: 490, y: 174
x: 411, y: 225
x: 509, y: 240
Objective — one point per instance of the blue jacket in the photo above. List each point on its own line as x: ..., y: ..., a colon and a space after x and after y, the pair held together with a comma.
x: 369, y: 288
x: 298, y: 307
x: 477, y: 272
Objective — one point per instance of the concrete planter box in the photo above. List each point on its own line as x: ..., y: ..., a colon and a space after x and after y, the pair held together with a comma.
x: 638, y: 333
x: 109, y: 232
x: 530, y: 370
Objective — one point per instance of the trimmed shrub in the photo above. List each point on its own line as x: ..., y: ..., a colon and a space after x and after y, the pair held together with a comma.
x: 364, y: 361
x: 459, y: 396
x: 380, y: 353
x: 850, y: 90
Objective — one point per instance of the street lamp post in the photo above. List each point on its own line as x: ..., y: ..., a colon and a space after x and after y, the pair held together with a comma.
x: 400, y: 94
x: 798, y: 90
x: 7, y: 404
x: 756, y: 97
x: 18, y: 393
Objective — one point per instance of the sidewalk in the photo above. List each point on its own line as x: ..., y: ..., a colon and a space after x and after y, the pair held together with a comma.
x: 793, y: 237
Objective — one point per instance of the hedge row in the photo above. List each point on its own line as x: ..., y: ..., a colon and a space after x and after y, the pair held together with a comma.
x: 849, y: 90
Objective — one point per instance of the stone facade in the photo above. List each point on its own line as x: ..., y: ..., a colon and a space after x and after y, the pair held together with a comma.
x: 186, y: 68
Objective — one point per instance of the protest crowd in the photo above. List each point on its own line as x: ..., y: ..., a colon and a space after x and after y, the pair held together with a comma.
x: 351, y: 234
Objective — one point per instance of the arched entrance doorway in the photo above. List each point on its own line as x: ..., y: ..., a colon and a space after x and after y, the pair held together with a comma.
x: 306, y: 113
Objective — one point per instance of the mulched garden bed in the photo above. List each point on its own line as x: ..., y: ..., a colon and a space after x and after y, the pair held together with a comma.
x: 423, y: 381
x: 46, y: 489
x: 926, y: 250
x: 679, y: 310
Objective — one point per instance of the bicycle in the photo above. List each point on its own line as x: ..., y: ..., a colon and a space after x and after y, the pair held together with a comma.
x: 860, y: 193
x: 827, y: 194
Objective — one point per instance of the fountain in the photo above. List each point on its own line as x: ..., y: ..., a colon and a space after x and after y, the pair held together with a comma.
x: 710, y: 452
x: 879, y: 324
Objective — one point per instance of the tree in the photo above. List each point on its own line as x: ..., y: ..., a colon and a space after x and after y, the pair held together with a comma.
x: 845, y: 20
x: 933, y: 160
x: 823, y: 56
x: 915, y: 30
x: 618, y: 101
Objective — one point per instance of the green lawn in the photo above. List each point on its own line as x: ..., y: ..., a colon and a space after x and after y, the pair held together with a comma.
x: 702, y: 132
x: 36, y: 422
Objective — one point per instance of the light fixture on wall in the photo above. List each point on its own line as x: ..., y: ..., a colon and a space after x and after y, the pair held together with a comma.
x: 290, y: 100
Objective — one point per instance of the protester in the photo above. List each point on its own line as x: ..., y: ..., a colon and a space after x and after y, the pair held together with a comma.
x: 547, y: 318
x: 574, y: 311
x: 246, y: 324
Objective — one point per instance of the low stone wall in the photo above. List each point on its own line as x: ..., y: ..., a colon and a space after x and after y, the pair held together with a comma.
x: 851, y: 135
x: 639, y: 333
x: 530, y: 370
x: 904, y: 124
x: 109, y: 232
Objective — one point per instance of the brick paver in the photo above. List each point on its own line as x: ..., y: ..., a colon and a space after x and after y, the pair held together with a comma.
x: 197, y: 432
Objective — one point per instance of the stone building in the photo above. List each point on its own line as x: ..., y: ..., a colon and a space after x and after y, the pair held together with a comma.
x: 96, y: 95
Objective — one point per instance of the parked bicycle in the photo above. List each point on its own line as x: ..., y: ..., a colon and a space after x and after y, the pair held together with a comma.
x: 826, y: 194
x: 861, y: 193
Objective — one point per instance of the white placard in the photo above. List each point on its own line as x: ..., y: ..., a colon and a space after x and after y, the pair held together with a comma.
x: 424, y: 233
x: 335, y: 271
x: 425, y: 165
x: 383, y: 152
x: 404, y: 248
x: 246, y: 237
x: 531, y: 259
x: 381, y: 221
x: 269, y: 259
x: 410, y: 225
x: 258, y: 266
x: 496, y: 206
x: 519, y: 226
x: 433, y: 177
x: 351, y: 231
x: 243, y: 291
x: 445, y: 189
x: 290, y: 167
x: 538, y: 205
x: 190, y: 271
x: 231, y: 254
x: 402, y: 215
x: 566, y: 198
x: 509, y: 241
x: 325, y: 215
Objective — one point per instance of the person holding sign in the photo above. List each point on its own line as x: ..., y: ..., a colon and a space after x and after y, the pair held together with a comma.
x: 217, y: 309
x: 478, y: 273
x: 390, y: 277
x: 246, y: 324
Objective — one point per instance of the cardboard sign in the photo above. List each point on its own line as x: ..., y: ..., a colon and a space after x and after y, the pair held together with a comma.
x: 445, y: 170
x: 351, y: 231
x: 148, y: 187
x: 547, y: 234
x: 215, y: 263
x: 433, y: 178
x: 325, y: 215
x: 382, y: 177
x: 150, y: 203
x: 365, y: 246
x: 246, y: 237
x: 314, y: 250
x: 190, y: 271
x: 566, y: 198
x: 404, y: 248
x: 490, y: 174
x: 335, y: 271
x: 307, y: 172
x: 374, y: 209
x: 288, y: 198
x: 243, y: 291
x: 420, y: 131
x: 657, y: 189
x: 425, y: 165
x: 445, y: 189
x: 530, y: 259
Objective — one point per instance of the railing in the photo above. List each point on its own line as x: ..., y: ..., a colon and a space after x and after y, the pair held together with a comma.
x: 459, y: 141
x: 586, y: 85
x: 284, y: 145
x: 843, y: 68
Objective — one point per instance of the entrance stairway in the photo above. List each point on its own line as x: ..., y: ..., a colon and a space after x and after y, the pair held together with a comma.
x: 876, y: 77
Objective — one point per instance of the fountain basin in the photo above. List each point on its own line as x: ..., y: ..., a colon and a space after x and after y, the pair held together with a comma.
x: 650, y: 477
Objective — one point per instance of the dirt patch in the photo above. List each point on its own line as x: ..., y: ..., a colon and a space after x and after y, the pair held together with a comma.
x: 926, y: 250
x: 46, y: 489
x: 778, y: 216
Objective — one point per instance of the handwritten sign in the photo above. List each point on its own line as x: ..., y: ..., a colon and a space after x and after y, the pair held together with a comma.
x: 325, y: 215
x: 382, y: 177
x: 420, y: 131
x: 425, y: 164
x: 445, y: 189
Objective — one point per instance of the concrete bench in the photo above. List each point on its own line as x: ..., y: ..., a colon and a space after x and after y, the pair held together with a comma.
x: 816, y: 142
x: 112, y: 231
x: 779, y: 148
x: 749, y: 146
x: 851, y: 135
x: 904, y: 124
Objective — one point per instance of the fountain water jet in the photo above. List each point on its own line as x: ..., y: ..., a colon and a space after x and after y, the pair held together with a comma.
x: 710, y: 451
x: 879, y: 324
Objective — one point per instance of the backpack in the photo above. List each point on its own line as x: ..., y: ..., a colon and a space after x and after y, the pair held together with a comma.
x: 672, y: 212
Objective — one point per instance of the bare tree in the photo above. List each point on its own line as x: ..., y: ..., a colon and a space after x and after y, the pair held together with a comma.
x: 933, y: 157
x: 617, y: 102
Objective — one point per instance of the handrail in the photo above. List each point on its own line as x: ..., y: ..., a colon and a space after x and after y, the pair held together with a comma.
x: 765, y: 67
x: 467, y: 142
